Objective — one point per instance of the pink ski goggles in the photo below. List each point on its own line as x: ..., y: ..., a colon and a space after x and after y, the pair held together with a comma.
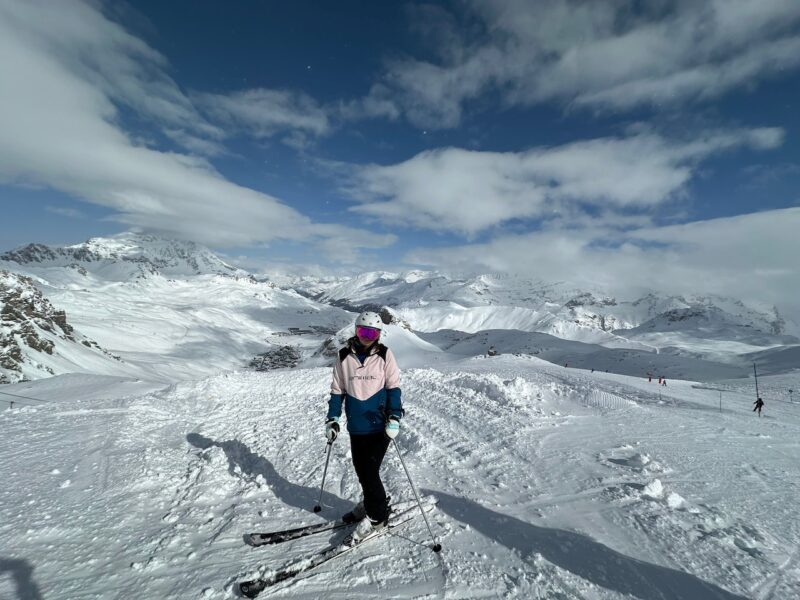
x: 368, y: 333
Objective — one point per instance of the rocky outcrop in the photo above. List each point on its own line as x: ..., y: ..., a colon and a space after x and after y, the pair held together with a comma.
x: 778, y: 325
x: 32, y: 253
x: 26, y: 319
x: 588, y: 299
x: 280, y: 358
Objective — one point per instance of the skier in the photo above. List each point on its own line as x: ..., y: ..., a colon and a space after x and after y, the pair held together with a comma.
x: 759, y: 403
x: 663, y: 381
x: 366, y: 379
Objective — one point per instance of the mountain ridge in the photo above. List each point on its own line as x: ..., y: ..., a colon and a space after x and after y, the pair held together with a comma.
x: 175, y: 307
x: 143, y: 255
x: 592, y: 309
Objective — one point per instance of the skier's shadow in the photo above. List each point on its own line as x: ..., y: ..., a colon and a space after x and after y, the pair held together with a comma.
x: 581, y: 555
x: 252, y: 465
x: 22, y: 574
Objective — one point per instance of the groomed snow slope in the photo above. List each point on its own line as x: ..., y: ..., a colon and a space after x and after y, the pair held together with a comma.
x: 551, y: 482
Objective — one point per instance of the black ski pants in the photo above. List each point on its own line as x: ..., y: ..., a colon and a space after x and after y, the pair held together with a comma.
x: 368, y: 452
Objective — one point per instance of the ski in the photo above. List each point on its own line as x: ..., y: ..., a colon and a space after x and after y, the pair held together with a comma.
x: 277, y: 537
x: 285, y: 535
x: 251, y: 589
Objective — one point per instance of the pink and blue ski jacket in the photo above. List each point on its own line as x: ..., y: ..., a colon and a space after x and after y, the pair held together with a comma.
x: 369, y: 388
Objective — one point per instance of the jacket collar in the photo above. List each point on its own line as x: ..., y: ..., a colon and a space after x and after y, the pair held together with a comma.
x: 354, y: 345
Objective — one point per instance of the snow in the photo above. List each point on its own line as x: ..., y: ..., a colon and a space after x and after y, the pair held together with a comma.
x: 117, y: 492
x: 137, y: 478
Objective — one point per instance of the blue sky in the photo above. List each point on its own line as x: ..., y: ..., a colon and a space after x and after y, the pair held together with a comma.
x: 600, y: 143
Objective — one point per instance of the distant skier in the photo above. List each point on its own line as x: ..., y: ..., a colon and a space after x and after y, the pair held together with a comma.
x: 366, y: 379
x: 759, y: 404
x: 649, y: 378
x: 663, y: 381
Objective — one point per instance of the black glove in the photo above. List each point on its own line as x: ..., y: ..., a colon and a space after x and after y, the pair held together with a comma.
x: 331, y: 429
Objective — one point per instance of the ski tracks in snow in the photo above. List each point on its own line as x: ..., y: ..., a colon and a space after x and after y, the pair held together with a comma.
x: 542, y: 494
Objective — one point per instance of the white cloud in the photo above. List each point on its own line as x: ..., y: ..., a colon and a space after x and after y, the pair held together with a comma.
x: 753, y: 257
x: 262, y: 113
x: 59, y: 127
x: 124, y: 69
x: 467, y: 192
x: 378, y: 103
x: 699, y: 81
x: 603, y: 55
x: 196, y: 145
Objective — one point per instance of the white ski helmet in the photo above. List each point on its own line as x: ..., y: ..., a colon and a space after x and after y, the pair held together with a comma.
x: 369, y: 319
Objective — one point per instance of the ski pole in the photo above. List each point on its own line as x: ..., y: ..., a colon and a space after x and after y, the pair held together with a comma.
x: 437, y: 547
x: 318, y: 507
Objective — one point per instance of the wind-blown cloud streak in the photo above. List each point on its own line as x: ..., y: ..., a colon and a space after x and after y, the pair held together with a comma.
x: 263, y: 113
x: 64, y: 69
x: 610, y: 56
x: 89, y: 47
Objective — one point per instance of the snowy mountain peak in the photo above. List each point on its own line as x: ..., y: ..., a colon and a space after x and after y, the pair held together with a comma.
x: 413, y: 276
x: 141, y: 254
